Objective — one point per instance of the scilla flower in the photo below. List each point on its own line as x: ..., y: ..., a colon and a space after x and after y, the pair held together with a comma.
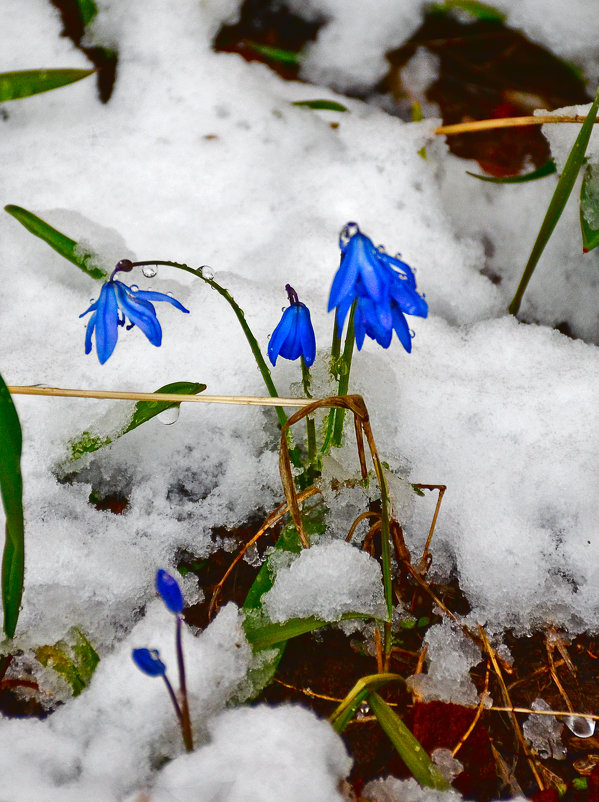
x: 116, y: 303
x: 148, y: 661
x: 169, y: 590
x: 294, y: 336
x: 383, y: 287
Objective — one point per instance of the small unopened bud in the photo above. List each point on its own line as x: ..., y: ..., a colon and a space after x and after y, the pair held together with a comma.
x: 124, y: 266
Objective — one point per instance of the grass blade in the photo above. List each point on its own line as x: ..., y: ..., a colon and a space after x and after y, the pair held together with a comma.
x: 408, y: 747
x: 346, y: 709
x: 55, y: 239
x: 478, y: 10
x: 558, y: 201
x: 589, y: 208
x: 545, y: 169
x: 275, y: 53
x: 24, y: 83
x: 144, y: 411
x: 265, y: 635
x: 326, y: 105
x: 11, y: 489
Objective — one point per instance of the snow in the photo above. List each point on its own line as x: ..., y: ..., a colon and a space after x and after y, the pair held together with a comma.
x: 202, y: 158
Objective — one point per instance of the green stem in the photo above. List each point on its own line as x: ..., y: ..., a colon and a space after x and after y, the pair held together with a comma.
x: 310, y: 424
x: 558, y: 201
x: 239, y: 313
x: 346, y: 358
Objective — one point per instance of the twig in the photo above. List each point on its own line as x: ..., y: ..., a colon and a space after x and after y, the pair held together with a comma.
x: 424, y: 561
x: 272, y: 519
x: 505, y: 122
x: 178, y: 398
x: 505, y: 693
x: 477, y: 715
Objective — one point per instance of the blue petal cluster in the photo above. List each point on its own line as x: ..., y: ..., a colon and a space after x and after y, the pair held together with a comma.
x: 130, y: 302
x: 148, y: 661
x: 294, y: 336
x: 169, y: 590
x: 383, y: 287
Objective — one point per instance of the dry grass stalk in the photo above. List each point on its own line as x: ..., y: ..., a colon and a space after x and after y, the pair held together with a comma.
x: 506, y: 122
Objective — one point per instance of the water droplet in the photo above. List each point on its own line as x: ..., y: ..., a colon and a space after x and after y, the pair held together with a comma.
x: 169, y: 416
x: 207, y: 272
x: 149, y: 271
x: 581, y: 726
x: 412, y: 333
x: 363, y: 710
x: 283, y: 308
x: 347, y: 232
x: 381, y: 249
x: 92, y: 300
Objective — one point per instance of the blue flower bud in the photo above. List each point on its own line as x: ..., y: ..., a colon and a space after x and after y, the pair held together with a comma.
x: 148, y: 661
x: 169, y: 590
x: 294, y: 336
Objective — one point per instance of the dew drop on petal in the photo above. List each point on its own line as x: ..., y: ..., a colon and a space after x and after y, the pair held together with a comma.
x: 580, y: 726
x: 381, y: 249
x: 169, y: 416
x: 412, y: 333
x: 149, y: 271
x: 207, y: 272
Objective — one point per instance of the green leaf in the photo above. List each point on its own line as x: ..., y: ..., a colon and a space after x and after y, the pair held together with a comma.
x: 344, y: 713
x: 545, y: 169
x: 11, y: 489
x: 408, y: 747
x: 589, y: 207
x: 275, y: 53
x: 480, y: 11
x: 75, y: 662
x: 558, y: 201
x: 327, y: 105
x: 24, y: 83
x: 264, y: 635
x: 62, y: 244
x: 144, y: 411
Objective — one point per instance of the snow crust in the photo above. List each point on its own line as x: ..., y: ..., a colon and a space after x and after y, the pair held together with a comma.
x: 200, y: 157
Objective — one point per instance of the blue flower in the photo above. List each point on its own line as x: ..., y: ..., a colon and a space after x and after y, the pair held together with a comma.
x: 169, y: 590
x: 383, y: 287
x: 294, y: 336
x: 132, y: 303
x: 148, y: 661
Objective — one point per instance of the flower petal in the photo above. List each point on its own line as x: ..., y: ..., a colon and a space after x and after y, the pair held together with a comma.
x: 279, y: 335
x: 140, y: 312
x: 307, y: 337
x: 344, y: 281
x: 400, y: 324
x: 150, y: 295
x: 169, y: 590
x: 91, y: 325
x: 148, y: 661
x: 107, y: 317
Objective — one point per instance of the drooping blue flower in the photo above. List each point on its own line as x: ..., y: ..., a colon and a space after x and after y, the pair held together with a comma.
x: 116, y: 303
x: 148, y: 661
x: 294, y: 336
x: 169, y: 590
x: 383, y: 287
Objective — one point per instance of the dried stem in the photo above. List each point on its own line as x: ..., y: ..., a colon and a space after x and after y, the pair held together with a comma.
x: 505, y: 122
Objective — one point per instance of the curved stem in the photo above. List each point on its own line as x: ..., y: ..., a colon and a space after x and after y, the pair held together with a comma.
x: 239, y: 313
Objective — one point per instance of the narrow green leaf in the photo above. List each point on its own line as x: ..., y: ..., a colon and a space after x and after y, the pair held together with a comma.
x: 275, y: 53
x: 408, y: 747
x: 24, y: 83
x: 545, y: 169
x: 62, y: 244
x: 476, y: 9
x: 327, y: 105
x: 144, y: 411
x: 75, y: 662
x: 589, y: 207
x: 344, y: 713
x: 264, y: 635
x: 558, y: 201
x: 11, y: 489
